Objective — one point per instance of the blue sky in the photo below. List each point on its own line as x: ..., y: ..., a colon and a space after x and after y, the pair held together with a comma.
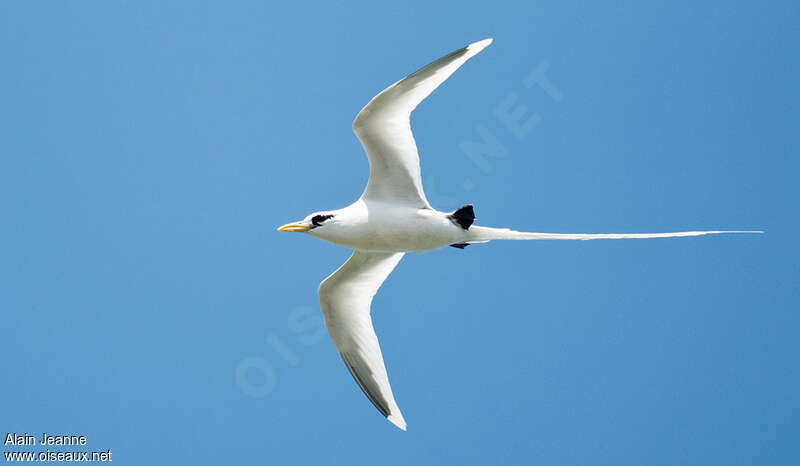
x: 151, y: 149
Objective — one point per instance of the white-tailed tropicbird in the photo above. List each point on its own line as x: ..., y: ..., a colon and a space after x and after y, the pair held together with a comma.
x: 393, y: 217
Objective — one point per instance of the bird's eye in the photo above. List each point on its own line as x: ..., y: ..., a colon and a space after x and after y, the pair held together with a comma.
x: 318, y: 219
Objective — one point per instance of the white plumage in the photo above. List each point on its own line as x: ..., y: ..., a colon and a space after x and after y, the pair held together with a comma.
x: 393, y: 217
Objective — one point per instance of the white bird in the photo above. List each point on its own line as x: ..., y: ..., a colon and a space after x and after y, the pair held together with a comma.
x: 393, y: 217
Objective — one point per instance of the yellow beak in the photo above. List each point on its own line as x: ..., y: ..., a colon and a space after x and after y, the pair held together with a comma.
x: 297, y: 226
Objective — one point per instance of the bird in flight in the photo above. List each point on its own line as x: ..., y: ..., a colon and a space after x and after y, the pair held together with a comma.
x: 392, y: 217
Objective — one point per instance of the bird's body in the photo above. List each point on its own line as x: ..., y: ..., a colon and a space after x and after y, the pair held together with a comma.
x: 392, y: 218
x: 380, y: 226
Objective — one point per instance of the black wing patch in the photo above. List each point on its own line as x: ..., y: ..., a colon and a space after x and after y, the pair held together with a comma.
x: 463, y: 216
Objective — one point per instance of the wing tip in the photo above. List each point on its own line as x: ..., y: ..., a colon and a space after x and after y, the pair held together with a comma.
x: 397, y: 419
x: 476, y: 47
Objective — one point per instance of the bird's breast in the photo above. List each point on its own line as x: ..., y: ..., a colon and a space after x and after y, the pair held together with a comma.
x: 411, y: 230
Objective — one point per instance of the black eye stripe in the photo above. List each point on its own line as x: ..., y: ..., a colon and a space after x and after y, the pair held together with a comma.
x: 318, y: 219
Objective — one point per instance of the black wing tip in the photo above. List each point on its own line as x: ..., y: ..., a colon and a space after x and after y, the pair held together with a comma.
x: 445, y: 59
x: 480, y: 45
x: 377, y: 400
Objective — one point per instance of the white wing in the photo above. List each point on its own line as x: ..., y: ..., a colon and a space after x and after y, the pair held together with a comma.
x: 345, y: 298
x: 384, y: 129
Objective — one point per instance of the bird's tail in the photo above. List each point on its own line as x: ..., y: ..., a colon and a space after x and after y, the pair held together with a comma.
x: 480, y: 234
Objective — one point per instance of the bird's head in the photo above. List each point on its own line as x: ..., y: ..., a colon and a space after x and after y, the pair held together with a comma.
x: 313, y: 221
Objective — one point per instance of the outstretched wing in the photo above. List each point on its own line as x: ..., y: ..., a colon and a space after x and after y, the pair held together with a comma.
x: 345, y: 298
x: 384, y: 129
